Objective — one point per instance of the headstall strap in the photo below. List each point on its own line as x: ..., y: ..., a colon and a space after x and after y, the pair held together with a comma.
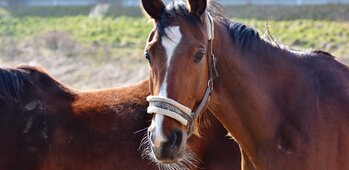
x: 210, y: 31
x: 177, y: 111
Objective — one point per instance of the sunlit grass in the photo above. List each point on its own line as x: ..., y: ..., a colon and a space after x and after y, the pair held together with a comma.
x: 128, y: 32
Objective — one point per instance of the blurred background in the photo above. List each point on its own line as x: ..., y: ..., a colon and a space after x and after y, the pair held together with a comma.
x: 94, y: 44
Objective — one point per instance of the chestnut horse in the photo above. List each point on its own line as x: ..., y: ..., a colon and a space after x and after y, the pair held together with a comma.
x: 286, y: 109
x: 46, y: 125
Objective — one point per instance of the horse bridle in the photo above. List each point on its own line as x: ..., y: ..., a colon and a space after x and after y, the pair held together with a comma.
x: 171, y: 108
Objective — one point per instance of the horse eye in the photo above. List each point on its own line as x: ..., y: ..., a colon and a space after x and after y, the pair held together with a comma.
x: 198, y: 56
x: 147, y: 55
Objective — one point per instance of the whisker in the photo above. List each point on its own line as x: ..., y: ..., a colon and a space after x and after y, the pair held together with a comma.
x: 139, y: 131
x: 188, y: 160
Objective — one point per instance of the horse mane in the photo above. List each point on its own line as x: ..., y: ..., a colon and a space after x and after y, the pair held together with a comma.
x: 246, y: 37
x: 13, y: 82
x: 241, y: 34
x: 16, y: 82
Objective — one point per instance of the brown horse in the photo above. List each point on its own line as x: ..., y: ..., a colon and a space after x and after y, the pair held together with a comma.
x: 286, y: 109
x: 46, y: 125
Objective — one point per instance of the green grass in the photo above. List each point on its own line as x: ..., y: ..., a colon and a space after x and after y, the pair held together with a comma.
x: 123, y: 31
x: 129, y: 32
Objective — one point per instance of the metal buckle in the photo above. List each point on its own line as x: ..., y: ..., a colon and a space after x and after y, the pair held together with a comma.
x: 210, y: 84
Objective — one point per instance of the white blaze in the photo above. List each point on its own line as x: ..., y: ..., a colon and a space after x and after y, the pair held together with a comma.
x: 169, y: 43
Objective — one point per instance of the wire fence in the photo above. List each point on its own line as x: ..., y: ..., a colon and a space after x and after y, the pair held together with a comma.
x: 136, y: 2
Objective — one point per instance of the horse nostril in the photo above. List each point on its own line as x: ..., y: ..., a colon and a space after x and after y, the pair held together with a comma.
x: 152, y: 137
x: 179, y: 138
x: 175, y: 138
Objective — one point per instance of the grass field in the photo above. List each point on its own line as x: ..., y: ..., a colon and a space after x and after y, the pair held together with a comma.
x: 98, y: 53
x: 128, y: 32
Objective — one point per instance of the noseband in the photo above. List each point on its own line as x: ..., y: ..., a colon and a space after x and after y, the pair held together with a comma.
x: 171, y: 108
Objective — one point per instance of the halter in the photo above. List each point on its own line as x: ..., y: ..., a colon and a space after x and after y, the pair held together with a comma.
x: 171, y: 108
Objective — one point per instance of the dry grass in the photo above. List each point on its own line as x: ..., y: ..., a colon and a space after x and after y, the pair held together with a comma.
x: 80, y: 66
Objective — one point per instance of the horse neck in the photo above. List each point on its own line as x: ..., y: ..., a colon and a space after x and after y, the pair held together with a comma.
x: 244, y: 93
x: 107, y: 109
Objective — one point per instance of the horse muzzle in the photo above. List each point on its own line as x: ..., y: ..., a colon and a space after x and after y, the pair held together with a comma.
x: 171, y: 149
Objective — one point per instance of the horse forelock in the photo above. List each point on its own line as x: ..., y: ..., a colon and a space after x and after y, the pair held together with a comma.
x: 180, y: 8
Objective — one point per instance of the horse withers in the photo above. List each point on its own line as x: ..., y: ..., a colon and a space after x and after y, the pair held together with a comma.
x: 45, y: 125
x: 286, y: 109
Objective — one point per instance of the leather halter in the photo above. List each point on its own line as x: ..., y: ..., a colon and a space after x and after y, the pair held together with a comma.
x: 171, y: 108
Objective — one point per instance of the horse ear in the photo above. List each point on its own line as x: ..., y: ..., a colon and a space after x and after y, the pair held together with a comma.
x: 153, y: 8
x: 198, y: 7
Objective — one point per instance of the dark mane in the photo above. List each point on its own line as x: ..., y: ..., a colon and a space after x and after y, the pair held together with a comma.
x: 18, y: 82
x: 13, y: 82
x: 241, y: 34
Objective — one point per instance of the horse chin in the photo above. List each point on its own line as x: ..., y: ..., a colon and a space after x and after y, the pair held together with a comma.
x: 180, y: 161
x: 167, y: 161
x: 181, y: 158
x: 172, y: 157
